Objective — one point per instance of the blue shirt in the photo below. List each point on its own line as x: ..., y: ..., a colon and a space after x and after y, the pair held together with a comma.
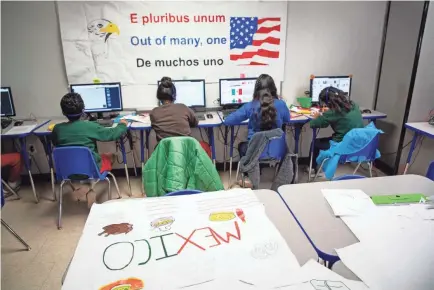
x: 251, y: 111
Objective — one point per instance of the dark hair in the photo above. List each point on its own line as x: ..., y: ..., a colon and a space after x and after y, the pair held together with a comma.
x: 72, y: 106
x: 166, y: 90
x: 267, y: 110
x: 265, y: 81
x: 335, y: 99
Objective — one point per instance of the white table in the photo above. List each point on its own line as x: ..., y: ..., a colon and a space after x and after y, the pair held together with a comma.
x: 419, y: 128
x: 328, y: 232
x: 22, y: 138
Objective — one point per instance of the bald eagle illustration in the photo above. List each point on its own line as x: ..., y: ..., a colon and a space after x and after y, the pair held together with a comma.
x: 100, y: 31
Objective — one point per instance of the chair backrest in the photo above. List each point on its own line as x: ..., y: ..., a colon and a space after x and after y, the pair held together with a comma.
x: 275, y: 149
x: 3, y: 195
x: 430, y: 172
x: 369, y: 151
x: 184, y: 192
x: 348, y: 176
x: 74, y: 160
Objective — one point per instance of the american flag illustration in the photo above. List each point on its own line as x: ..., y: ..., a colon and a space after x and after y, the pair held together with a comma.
x: 254, y: 41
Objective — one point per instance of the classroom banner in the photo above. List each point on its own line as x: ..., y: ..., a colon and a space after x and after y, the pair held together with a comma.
x: 137, y: 43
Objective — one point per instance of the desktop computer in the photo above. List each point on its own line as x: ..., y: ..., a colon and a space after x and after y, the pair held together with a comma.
x: 235, y: 92
x: 99, y: 98
x: 192, y: 94
x: 317, y: 84
x: 7, y: 106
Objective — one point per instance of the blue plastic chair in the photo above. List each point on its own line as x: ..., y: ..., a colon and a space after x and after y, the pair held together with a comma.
x: 183, y: 192
x: 430, y: 172
x: 366, y: 154
x: 348, y: 177
x: 8, y: 227
x: 73, y: 161
x: 273, y: 153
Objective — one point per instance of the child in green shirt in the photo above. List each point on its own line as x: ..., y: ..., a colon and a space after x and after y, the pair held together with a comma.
x: 77, y: 132
x: 342, y: 116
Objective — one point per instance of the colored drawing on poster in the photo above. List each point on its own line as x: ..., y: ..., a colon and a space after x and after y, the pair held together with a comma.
x: 125, y: 284
x: 116, y: 229
x: 162, y: 224
x: 240, y: 214
x: 221, y: 216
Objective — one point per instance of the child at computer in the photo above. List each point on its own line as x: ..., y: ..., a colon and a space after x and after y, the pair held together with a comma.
x: 78, y: 132
x: 342, y: 116
x: 170, y: 119
x: 265, y: 112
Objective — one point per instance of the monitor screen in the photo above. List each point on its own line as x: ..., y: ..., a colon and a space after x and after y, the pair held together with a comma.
x: 7, y: 103
x: 236, y: 91
x: 190, y: 92
x: 103, y: 97
x: 317, y: 84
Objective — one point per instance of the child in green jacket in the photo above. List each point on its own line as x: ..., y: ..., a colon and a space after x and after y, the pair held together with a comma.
x: 342, y: 116
x: 77, y: 132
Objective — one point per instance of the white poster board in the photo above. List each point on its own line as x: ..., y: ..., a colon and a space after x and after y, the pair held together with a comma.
x: 219, y: 240
x: 137, y: 43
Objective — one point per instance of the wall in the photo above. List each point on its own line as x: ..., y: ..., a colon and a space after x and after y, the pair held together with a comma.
x: 347, y: 43
x: 423, y: 98
x: 399, y: 52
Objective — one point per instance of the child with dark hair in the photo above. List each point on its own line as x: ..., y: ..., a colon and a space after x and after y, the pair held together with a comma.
x: 170, y: 119
x: 77, y: 132
x: 264, y: 112
x: 342, y: 116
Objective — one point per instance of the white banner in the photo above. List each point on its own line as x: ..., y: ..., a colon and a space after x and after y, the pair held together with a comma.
x: 137, y: 43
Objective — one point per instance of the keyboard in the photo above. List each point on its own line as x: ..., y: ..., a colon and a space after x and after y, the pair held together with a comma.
x: 105, y: 123
x: 200, y: 116
x: 5, y: 123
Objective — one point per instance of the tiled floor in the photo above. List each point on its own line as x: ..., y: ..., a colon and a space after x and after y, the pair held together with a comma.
x: 42, y: 267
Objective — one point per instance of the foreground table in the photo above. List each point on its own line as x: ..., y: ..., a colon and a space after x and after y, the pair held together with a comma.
x: 327, y: 232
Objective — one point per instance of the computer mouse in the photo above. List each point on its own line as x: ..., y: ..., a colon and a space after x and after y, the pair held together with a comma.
x: 366, y: 111
x: 18, y: 123
x: 209, y: 116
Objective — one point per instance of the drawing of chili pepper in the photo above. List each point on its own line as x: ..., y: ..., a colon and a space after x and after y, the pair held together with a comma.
x: 240, y: 214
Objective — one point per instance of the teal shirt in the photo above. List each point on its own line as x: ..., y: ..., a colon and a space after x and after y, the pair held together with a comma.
x: 86, y: 133
x: 341, y: 122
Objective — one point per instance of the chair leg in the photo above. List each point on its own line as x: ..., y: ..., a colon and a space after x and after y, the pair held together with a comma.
x: 59, y: 221
x: 230, y: 170
x: 116, y: 184
x: 16, y: 235
x: 319, y: 169
x: 134, y: 161
x: 109, y: 194
x: 128, y: 180
x: 10, y: 189
x: 370, y: 168
x: 276, y: 170
x: 238, y: 170
x: 357, y: 168
x: 53, y: 185
x: 310, y: 167
x: 33, y: 187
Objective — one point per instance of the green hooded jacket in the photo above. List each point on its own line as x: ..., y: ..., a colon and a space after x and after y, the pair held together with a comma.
x: 179, y: 163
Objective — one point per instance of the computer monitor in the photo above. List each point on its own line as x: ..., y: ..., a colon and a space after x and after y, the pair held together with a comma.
x: 317, y: 84
x: 190, y: 92
x: 98, y: 98
x: 235, y: 92
x: 7, y: 103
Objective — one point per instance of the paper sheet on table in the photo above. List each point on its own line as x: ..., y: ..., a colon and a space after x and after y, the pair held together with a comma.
x: 20, y: 130
x: 141, y: 119
x: 313, y: 276
x: 348, y: 201
x: 220, y: 240
x: 401, y: 262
